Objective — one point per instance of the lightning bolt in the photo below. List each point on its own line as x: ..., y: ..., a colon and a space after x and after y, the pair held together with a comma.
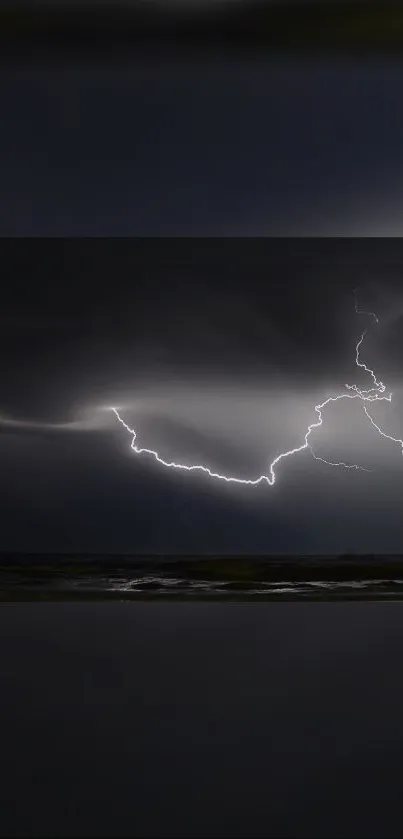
x: 379, y: 387
x: 361, y: 311
x: 199, y: 467
x: 373, y: 394
x: 382, y: 433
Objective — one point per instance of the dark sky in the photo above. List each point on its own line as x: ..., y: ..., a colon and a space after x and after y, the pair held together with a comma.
x: 216, y: 351
x: 158, y: 144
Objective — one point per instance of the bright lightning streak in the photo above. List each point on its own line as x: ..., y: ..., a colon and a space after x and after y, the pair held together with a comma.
x: 361, y: 311
x: 181, y: 465
x: 388, y: 437
x: 370, y: 395
x: 379, y: 387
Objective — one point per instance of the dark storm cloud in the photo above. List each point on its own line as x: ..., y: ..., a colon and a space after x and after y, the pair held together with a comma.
x: 110, y: 315
x: 12, y: 324
x: 224, y: 311
x: 216, y: 352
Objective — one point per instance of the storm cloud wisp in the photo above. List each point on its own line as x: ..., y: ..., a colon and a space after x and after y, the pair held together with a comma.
x: 375, y: 393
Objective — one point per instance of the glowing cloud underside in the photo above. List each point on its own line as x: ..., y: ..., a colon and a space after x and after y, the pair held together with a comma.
x: 373, y: 394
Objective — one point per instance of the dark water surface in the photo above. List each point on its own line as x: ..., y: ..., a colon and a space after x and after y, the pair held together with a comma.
x: 246, y: 578
x: 201, y: 719
x: 152, y: 586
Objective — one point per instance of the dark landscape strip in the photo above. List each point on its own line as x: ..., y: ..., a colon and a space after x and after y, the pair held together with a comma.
x: 335, y: 24
x: 15, y: 596
x: 242, y: 570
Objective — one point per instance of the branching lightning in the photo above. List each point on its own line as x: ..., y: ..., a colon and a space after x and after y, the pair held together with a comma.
x: 373, y: 394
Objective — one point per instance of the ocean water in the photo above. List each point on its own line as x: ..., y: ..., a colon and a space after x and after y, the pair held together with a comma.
x: 168, y: 586
x: 201, y: 719
x: 225, y: 579
x: 128, y: 586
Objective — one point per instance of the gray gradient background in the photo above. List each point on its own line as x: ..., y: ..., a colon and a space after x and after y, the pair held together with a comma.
x: 151, y: 145
x: 201, y: 720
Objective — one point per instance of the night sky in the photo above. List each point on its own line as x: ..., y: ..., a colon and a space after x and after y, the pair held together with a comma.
x: 216, y: 351
x: 215, y: 341
x: 150, y: 144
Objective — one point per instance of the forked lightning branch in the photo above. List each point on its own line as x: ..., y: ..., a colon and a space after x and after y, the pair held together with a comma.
x: 376, y: 393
